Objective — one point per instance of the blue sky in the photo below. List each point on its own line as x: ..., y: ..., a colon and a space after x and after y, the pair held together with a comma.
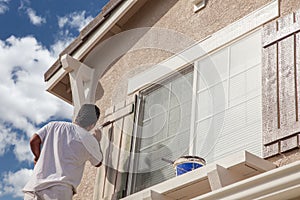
x: 32, y: 35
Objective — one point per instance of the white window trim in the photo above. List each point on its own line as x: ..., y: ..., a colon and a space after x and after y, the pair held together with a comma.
x: 198, y: 4
x: 231, y: 32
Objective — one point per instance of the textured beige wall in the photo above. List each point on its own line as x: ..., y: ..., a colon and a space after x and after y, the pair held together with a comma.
x: 177, y: 15
x: 86, y: 187
x: 289, y: 6
x: 114, y: 82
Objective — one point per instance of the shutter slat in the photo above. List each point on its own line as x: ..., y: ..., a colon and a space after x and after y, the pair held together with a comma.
x: 286, y: 78
x: 269, y: 86
x: 297, y: 65
x: 111, y: 172
x: 125, y: 148
x: 101, y: 174
x: 269, y: 92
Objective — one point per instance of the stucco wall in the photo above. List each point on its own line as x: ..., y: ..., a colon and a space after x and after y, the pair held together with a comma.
x: 178, y: 16
x: 288, y: 6
x: 86, y: 188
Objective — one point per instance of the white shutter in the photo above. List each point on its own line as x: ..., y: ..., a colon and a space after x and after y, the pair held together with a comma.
x: 116, y: 145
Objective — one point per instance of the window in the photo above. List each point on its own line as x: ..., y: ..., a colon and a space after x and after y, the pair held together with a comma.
x: 228, y: 101
x: 164, y: 128
x: 211, y: 111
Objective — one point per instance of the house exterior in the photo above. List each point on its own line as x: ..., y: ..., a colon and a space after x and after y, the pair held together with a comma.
x: 215, y: 79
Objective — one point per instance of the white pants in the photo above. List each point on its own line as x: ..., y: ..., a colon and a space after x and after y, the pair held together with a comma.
x: 59, y: 192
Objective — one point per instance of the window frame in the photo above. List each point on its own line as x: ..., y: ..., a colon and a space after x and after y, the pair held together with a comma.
x: 222, y: 38
x: 139, y: 119
x: 227, y: 79
x: 195, y: 91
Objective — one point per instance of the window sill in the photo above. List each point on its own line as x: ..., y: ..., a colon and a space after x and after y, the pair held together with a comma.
x: 207, y: 179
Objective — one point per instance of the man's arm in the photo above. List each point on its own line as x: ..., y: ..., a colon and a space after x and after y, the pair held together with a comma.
x: 35, y: 146
x: 98, y: 135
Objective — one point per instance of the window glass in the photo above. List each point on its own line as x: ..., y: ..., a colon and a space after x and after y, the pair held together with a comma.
x: 165, y: 128
x: 245, y: 53
x: 228, y: 118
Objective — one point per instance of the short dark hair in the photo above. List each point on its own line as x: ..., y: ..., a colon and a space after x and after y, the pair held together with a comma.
x: 87, y: 115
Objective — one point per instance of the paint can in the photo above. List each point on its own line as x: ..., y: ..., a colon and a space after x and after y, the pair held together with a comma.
x: 186, y: 164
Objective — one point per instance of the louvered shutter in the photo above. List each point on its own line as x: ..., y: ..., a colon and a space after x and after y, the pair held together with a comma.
x: 280, y: 82
x: 111, y: 180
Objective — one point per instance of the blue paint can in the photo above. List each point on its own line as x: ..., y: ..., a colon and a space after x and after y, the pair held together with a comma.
x: 186, y: 164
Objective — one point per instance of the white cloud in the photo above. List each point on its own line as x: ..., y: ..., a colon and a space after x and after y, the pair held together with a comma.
x: 24, y: 100
x: 76, y: 20
x: 64, y: 38
x: 12, y: 183
x: 34, y: 18
x: 62, y: 21
x: 22, y: 150
x: 4, y: 6
x: 6, y: 138
x: 9, y: 138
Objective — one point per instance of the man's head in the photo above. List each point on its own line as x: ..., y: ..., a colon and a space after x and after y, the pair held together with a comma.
x: 87, y: 116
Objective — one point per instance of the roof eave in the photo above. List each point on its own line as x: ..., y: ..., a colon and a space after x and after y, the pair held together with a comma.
x: 84, y: 34
x: 83, y: 44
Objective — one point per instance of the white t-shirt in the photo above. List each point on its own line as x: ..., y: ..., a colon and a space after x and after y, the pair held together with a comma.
x: 65, y: 149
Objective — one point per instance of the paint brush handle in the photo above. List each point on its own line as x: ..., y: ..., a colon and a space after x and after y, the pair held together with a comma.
x: 167, y: 160
x: 104, y: 124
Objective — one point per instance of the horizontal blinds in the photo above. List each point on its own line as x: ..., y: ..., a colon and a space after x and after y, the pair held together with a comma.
x: 165, y: 130
x: 228, y: 115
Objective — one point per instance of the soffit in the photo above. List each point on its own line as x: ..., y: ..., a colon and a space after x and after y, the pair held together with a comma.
x: 108, y: 23
x: 84, y: 33
x: 92, y: 27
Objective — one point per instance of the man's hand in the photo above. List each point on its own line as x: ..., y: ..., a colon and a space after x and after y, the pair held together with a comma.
x: 97, y: 134
x: 35, y: 160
